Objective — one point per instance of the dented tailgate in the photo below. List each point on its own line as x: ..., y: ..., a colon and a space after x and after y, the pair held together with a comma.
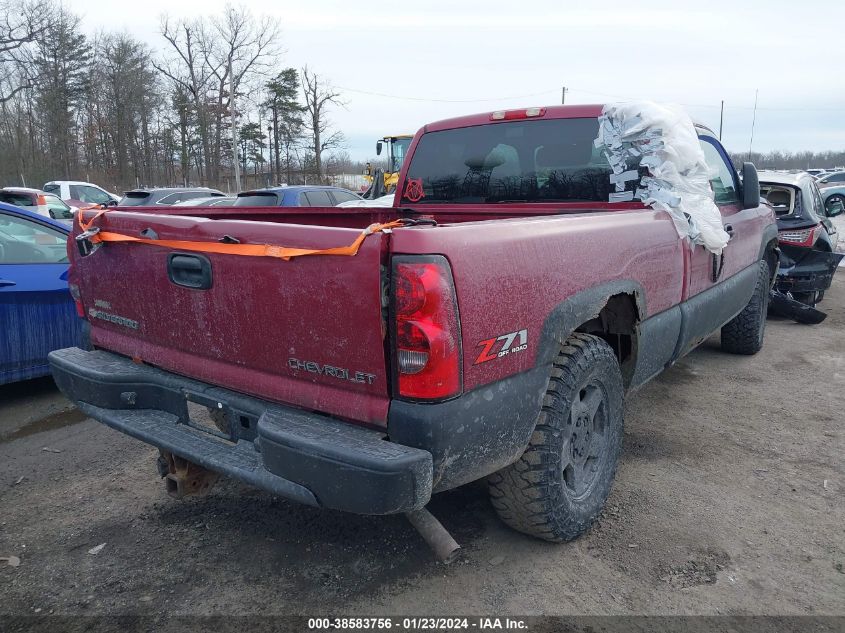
x: 307, y: 332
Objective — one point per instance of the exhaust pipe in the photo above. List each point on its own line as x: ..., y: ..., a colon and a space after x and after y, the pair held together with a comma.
x: 445, y: 548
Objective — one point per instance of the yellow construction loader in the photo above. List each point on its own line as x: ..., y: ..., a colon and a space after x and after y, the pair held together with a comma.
x: 397, y: 148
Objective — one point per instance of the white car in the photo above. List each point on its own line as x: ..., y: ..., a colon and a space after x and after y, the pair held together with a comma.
x: 80, y: 194
x: 41, y: 202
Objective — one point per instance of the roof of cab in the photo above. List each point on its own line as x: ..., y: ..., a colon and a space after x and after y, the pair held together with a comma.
x: 585, y: 111
x: 552, y: 112
x: 69, y: 182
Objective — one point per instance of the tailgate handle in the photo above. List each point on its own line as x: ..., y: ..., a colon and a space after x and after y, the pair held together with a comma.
x: 6, y: 282
x: 189, y: 271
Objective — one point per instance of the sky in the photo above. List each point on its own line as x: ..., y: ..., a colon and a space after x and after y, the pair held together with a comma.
x: 401, y: 65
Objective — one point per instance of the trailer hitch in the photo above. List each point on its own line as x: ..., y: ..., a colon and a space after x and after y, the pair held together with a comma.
x: 183, y: 478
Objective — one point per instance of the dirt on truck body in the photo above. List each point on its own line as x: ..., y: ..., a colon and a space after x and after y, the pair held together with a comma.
x: 489, y: 326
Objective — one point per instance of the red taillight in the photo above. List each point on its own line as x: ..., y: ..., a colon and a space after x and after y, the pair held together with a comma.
x: 77, y: 300
x: 799, y: 237
x: 427, y: 340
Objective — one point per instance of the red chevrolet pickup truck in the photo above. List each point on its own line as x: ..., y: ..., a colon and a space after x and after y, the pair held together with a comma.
x: 489, y: 330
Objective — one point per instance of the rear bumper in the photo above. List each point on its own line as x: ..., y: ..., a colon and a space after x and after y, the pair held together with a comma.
x: 805, y: 269
x: 299, y: 455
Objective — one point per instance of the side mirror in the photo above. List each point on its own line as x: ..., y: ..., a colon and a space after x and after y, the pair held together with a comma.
x: 834, y: 207
x: 750, y: 186
x: 379, y: 145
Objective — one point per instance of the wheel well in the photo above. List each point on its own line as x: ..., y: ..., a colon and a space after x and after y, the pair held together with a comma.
x: 616, y: 323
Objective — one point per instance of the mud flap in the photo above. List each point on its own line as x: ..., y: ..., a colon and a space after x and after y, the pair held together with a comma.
x: 782, y: 304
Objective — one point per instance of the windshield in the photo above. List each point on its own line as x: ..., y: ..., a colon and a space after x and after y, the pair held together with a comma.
x: 57, y: 208
x: 517, y: 161
x: 400, y: 150
x: 17, y: 199
x: 134, y: 199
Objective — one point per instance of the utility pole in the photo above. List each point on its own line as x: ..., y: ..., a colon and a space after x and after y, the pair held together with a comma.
x: 563, y: 95
x: 270, y: 152
x: 721, y: 120
x: 234, y: 128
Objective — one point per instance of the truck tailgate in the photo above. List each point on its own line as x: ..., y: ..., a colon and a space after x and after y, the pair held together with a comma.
x: 307, y: 332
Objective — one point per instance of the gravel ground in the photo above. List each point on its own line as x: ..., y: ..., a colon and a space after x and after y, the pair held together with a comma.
x: 729, y: 500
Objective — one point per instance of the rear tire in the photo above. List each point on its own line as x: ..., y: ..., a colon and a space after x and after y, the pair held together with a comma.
x: 744, y: 333
x: 560, y: 484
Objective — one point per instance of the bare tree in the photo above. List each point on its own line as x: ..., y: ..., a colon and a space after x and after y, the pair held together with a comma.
x: 21, y: 23
x: 188, y: 70
x: 123, y: 70
x: 239, y: 50
x: 117, y: 112
x: 210, y: 59
x: 318, y: 96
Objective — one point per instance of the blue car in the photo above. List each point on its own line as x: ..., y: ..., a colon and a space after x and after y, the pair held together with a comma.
x: 37, y: 313
x: 295, y: 196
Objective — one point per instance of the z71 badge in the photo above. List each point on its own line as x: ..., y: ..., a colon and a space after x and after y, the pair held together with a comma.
x: 500, y: 346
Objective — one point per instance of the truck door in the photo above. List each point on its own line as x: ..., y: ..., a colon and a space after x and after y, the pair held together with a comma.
x: 741, y: 224
x: 705, y: 310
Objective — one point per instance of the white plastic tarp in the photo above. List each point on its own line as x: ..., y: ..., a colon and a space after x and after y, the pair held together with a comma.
x: 658, y: 146
x: 383, y: 201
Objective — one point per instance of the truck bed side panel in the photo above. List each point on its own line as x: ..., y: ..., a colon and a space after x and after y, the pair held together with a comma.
x: 511, y: 274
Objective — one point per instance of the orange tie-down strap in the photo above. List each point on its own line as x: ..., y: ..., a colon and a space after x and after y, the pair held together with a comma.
x: 249, y: 250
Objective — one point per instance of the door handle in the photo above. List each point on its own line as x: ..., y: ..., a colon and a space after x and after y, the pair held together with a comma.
x: 729, y: 229
x: 7, y: 282
x: 189, y: 271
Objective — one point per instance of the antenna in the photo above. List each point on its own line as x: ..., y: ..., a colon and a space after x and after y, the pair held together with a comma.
x: 753, y: 121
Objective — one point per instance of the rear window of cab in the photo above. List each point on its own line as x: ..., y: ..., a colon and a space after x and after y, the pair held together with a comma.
x: 551, y: 160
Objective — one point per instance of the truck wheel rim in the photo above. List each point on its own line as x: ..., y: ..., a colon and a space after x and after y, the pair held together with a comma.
x: 584, y: 451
